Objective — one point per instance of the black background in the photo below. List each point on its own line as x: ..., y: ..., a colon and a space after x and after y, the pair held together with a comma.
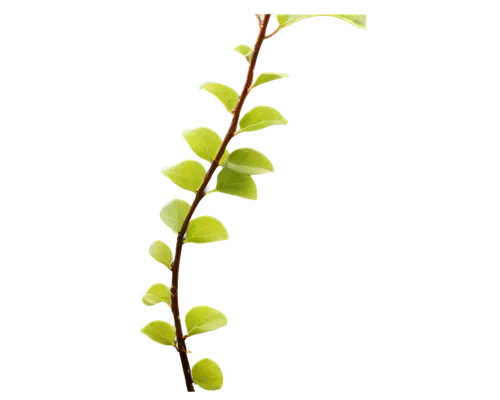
x: 310, y: 278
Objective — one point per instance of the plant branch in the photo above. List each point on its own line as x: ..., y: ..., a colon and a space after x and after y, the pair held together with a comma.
x: 181, y: 344
x: 260, y: 25
x: 274, y: 33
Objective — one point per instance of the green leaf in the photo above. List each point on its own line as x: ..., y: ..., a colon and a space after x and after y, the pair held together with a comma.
x: 261, y: 117
x: 205, y: 230
x: 161, y: 332
x: 245, y: 51
x: 187, y: 174
x: 287, y: 20
x: 161, y: 253
x: 156, y: 294
x: 227, y: 96
x: 205, y: 143
x: 249, y: 162
x: 174, y: 213
x: 357, y: 20
x: 203, y: 319
x: 268, y: 77
x: 207, y: 374
x: 231, y: 182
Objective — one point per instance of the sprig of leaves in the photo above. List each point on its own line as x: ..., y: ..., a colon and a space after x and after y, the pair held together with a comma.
x: 235, y: 178
x: 176, y: 214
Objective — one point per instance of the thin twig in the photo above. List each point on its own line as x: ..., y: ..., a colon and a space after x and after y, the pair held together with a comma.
x: 243, y: 81
x: 259, y: 20
x: 272, y: 33
x: 199, y: 195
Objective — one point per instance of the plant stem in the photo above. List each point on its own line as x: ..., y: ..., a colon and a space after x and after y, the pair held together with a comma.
x: 181, y: 344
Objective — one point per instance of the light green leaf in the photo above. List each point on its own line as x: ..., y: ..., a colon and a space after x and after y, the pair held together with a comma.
x: 156, y: 294
x: 249, y: 162
x: 227, y: 96
x: 205, y: 230
x: 174, y: 213
x: 207, y: 374
x: 357, y: 20
x: 287, y: 20
x: 268, y: 77
x: 224, y: 157
x: 231, y: 182
x: 245, y: 51
x: 203, y: 319
x: 187, y: 174
x: 205, y: 143
x: 261, y: 117
x: 161, y: 253
x: 161, y: 332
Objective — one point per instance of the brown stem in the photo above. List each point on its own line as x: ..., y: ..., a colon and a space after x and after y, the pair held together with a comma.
x: 260, y: 25
x: 181, y: 344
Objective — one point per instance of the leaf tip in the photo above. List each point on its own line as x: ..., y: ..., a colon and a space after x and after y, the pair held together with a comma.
x: 162, y: 170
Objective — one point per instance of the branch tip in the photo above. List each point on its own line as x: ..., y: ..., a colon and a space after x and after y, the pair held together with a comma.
x: 260, y: 21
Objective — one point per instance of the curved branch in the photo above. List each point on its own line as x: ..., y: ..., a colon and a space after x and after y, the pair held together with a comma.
x: 184, y: 356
